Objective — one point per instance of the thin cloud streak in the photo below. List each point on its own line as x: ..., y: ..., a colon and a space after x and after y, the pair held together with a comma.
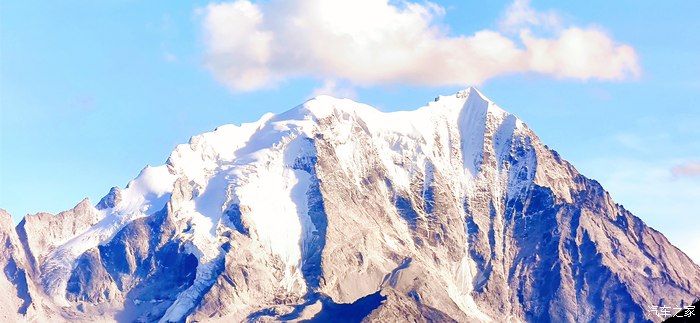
x: 687, y: 169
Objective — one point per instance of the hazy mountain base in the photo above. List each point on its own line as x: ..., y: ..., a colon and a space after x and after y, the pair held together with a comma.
x: 453, y: 212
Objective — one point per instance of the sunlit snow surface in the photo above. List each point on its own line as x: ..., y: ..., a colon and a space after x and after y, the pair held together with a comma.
x: 251, y: 166
x: 145, y: 195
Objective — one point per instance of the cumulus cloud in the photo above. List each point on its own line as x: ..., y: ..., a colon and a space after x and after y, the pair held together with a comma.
x: 687, y: 169
x: 366, y: 42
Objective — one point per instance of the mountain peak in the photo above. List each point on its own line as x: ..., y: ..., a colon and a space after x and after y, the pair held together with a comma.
x: 110, y: 200
x: 452, y: 211
x: 469, y: 97
x: 473, y: 90
x: 322, y: 106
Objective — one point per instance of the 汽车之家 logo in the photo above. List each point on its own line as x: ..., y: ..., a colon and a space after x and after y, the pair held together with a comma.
x: 668, y: 311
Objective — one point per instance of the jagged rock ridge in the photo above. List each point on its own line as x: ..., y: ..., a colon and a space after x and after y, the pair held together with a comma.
x: 452, y: 212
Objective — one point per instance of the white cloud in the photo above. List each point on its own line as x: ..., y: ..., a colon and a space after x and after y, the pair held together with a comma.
x: 581, y: 54
x: 366, y: 42
x: 239, y: 51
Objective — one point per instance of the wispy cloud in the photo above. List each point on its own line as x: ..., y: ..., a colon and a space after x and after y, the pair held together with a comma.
x: 169, y: 57
x: 520, y: 15
x: 365, y: 42
x: 630, y: 141
x: 687, y: 169
x: 83, y: 104
x: 334, y: 88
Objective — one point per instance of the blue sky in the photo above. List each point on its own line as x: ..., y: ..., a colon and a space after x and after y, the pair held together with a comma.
x: 92, y: 91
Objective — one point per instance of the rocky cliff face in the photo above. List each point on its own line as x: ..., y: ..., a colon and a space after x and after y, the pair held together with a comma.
x: 452, y: 212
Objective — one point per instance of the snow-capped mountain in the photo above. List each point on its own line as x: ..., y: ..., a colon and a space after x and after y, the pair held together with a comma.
x: 452, y: 212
